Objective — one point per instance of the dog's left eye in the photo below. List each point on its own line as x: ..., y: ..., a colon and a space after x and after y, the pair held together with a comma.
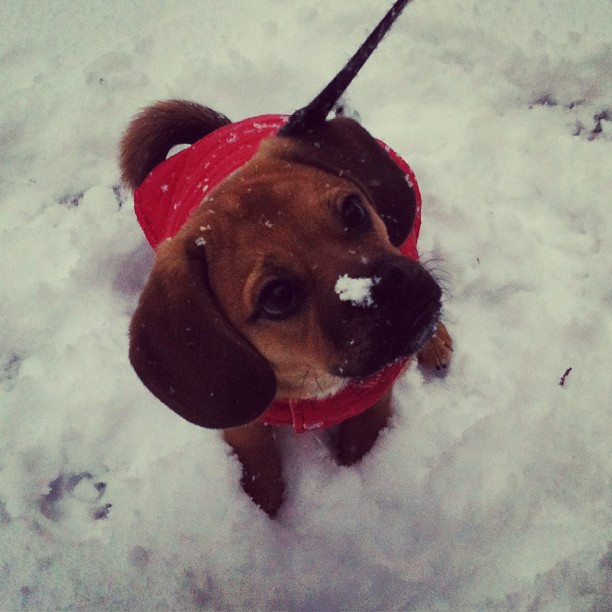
x: 354, y: 213
x: 279, y: 299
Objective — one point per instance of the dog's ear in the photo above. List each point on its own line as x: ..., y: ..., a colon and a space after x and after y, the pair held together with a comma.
x: 344, y: 148
x: 186, y: 352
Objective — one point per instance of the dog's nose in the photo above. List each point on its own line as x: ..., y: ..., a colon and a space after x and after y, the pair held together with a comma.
x: 405, y: 284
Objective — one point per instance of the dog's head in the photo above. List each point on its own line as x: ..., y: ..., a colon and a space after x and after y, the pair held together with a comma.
x: 286, y: 282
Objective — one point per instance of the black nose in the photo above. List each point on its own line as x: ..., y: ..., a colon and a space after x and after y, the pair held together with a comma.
x: 406, y: 285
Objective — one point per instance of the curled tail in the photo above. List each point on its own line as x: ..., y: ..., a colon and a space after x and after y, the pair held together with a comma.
x: 158, y: 128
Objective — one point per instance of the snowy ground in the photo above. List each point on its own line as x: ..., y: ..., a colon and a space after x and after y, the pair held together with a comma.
x: 492, y: 488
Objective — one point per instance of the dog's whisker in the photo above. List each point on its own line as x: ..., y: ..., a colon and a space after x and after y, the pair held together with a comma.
x: 434, y: 262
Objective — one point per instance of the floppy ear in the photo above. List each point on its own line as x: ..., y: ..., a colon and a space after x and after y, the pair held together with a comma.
x: 344, y: 148
x: 187, y: 354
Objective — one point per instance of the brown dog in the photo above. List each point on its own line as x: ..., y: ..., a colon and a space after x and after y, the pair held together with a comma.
x: 244, y: 305
x: 286, y: 287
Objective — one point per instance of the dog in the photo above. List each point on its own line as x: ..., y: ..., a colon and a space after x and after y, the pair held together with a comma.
x: 286, y: 287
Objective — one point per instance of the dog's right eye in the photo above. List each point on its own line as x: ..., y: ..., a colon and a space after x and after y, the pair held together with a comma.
x: 279, y: 299
x: 354, y: 213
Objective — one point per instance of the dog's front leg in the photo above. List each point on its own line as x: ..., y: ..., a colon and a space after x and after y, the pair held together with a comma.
x: 256, y: 449
x: 357, y: 435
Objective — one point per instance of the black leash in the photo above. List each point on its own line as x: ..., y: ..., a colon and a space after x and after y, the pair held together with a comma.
x: 316, y: 112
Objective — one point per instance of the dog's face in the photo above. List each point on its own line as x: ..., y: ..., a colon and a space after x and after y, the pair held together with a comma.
x: 251, y: 289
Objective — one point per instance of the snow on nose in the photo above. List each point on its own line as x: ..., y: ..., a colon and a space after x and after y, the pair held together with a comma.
x: 357, y: 291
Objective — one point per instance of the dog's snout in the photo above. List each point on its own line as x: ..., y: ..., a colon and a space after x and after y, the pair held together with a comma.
x: 397, y: 275
x: 401, y: 312
x: 406, y: 283
x: 392, y: 279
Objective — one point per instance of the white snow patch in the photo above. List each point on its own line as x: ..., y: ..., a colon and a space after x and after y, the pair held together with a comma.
x: 177, y: 149
x: 490, y: 489
x: 357, y: 291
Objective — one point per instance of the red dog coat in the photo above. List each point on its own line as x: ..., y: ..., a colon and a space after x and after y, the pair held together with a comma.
x: 176, y: 187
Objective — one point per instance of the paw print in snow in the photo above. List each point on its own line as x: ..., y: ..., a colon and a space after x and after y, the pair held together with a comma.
x: 75, y: 497
x: 588, y: 120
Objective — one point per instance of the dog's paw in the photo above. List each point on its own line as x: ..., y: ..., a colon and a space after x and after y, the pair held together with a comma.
x: 437, y: 353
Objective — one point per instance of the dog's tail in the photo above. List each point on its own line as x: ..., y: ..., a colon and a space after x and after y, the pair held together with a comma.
x: 158, y: 128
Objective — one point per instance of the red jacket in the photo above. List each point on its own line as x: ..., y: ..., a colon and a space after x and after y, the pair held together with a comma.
x: 175, y: 188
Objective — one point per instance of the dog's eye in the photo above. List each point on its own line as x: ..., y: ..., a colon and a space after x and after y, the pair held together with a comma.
x: 354, y: 213
x: 279, y: 299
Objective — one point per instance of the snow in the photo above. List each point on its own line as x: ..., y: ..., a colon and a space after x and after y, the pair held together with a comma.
x: 491, y: 490
x: 357, y: 291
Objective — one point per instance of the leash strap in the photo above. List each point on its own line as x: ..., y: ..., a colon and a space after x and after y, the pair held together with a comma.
x: 316, y: 111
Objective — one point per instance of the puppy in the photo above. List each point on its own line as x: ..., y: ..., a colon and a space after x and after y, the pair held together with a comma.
x: 286, y: 287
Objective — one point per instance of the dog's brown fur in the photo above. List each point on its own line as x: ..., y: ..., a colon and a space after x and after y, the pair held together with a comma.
x: 198, y: 339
